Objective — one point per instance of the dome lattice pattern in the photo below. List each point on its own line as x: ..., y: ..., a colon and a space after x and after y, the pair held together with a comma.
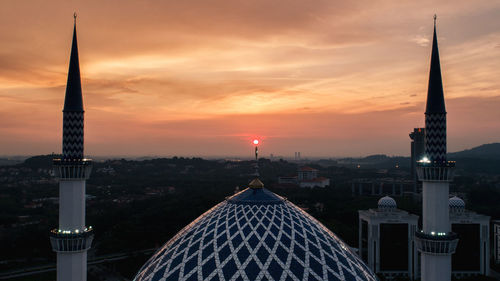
x: 387, y: 203
x: 255, y: 235
x: 456, y: 204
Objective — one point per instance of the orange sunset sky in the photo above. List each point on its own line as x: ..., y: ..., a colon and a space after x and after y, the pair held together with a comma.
x: 204, y: 77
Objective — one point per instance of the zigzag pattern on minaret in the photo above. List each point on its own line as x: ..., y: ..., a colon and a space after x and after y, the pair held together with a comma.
x: 72, y: 135
x: 435, y: 137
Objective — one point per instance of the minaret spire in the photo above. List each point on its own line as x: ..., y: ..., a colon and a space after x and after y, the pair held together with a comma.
x: 435, y: 96
x: 73, y: 106
x: 73, y: 100
x: 435, y: 112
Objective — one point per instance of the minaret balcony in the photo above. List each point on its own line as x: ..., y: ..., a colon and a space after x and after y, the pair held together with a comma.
x: 72, y: 169
x: 71, y: 241
x: 433, y: 171
x: 438, y: 244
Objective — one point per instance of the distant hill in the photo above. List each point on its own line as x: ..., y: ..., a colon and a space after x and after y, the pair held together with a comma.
x: 481, y: 159
x: 485, y: 151
x: 378, y: 161
x: 40, y: 161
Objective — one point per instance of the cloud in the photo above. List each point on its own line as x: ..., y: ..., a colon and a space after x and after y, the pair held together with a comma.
x: 313, y: 133
x: 324, y: 74
x: 421, y: 40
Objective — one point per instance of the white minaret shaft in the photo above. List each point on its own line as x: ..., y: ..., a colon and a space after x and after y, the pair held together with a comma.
x: 435, y: 241
x: 72, y: 239
x: 72, y: 263
x: 72, y: 204
x: 436, y: 265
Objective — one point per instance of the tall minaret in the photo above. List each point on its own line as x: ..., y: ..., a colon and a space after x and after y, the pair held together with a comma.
x: 435, y: 241
x: 72, y: 239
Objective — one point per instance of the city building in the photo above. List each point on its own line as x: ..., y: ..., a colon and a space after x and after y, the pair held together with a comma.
x: 255, y: 235
x: 386, y: 241
x: 297, y: 156
x: 496, y: 241
x: 307, y: 173
x: 72, y: 239
x: 308, y: 177
x: 417, y: 149
x: 472, y: 256
x: 435, y: 241
x: 380, y: 186
x: 292, y: 180
x: 383, y: 230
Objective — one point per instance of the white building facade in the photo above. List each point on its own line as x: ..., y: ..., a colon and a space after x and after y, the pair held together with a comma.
x: 308, y: 177
x: 496, y: 241
x: 472, y: 256
x: 386, y: 240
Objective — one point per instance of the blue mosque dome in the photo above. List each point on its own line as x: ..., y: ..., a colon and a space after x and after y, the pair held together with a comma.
x: 255, y: 235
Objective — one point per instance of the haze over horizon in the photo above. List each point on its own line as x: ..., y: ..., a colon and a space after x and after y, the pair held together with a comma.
x: 248, y: 156
x: 203, y: 78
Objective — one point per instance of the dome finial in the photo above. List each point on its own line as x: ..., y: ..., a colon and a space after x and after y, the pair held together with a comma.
x: 256, y: 183
x: 256, y: 143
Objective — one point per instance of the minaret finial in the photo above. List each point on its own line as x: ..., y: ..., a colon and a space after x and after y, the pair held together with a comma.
x: 74, y: 16
x: 435, y: 18
x: 256, y: 143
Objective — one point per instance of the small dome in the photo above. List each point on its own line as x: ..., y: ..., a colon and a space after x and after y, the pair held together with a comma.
x: 387, y: 203
x: 456, y: 204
